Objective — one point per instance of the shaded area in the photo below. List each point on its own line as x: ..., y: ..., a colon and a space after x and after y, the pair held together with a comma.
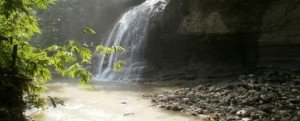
x: 12, y: 104
x: 220, y: 38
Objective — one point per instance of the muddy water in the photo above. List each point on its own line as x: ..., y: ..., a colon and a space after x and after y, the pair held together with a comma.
x: 108, y: 102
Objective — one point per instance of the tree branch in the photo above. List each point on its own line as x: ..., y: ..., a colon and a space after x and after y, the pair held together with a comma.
x: 14, y: 56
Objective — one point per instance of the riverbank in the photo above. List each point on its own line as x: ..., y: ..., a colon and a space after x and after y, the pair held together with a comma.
x: 272, y: 96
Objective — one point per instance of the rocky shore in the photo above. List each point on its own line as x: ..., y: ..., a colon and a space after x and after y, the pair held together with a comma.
x: 271, y: 96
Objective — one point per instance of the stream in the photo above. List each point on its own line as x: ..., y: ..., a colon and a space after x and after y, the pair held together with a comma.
x: 108, y: 102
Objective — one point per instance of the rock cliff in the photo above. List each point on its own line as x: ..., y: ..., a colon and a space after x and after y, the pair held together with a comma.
x: 220, y: 38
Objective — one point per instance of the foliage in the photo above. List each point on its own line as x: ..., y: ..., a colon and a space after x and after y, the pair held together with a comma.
x: 19, y: 24
x: 88, y: 31
x: 68, y: 60
x: 108, y: 50
x: 17, y: 18
x: 119, y: 65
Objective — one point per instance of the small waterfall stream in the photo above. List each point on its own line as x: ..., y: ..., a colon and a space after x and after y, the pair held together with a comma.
x: 130, y: 32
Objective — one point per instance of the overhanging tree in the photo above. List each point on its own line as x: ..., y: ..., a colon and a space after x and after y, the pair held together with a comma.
x: 32, y: 66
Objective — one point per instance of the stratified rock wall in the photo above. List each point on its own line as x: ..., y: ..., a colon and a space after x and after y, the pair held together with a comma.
x: 218, y: 38
x: 279, y: 41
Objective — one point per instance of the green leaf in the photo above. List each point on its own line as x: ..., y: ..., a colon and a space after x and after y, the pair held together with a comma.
x: 87, y: 30
x: 53, y: 48
x: 119, y: 65
x: 118, y: 48
x: 108, y: 50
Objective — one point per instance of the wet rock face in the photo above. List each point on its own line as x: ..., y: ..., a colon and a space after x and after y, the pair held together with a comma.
x: 245, y: 100
x: 192, y: 34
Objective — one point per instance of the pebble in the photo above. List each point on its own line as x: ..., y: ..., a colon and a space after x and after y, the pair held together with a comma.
x: 294, y: 90
x: 230, y: 118
x: 241, y: 89
x: 260, y: 99
x: 246, y: 119
x: 243, y: 113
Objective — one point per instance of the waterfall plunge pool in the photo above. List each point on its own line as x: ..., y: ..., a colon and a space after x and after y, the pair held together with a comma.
x: 105, y: 103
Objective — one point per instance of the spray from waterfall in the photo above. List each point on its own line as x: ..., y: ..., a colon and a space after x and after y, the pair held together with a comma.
x: 130, y: 32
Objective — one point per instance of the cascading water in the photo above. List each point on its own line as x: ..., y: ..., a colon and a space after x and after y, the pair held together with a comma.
x: 130, y: 32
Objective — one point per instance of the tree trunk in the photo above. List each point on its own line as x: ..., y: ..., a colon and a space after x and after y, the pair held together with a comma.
x: 14, y: 56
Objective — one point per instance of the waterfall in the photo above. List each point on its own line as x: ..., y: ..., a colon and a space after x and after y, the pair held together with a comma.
x: 130, y: 32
